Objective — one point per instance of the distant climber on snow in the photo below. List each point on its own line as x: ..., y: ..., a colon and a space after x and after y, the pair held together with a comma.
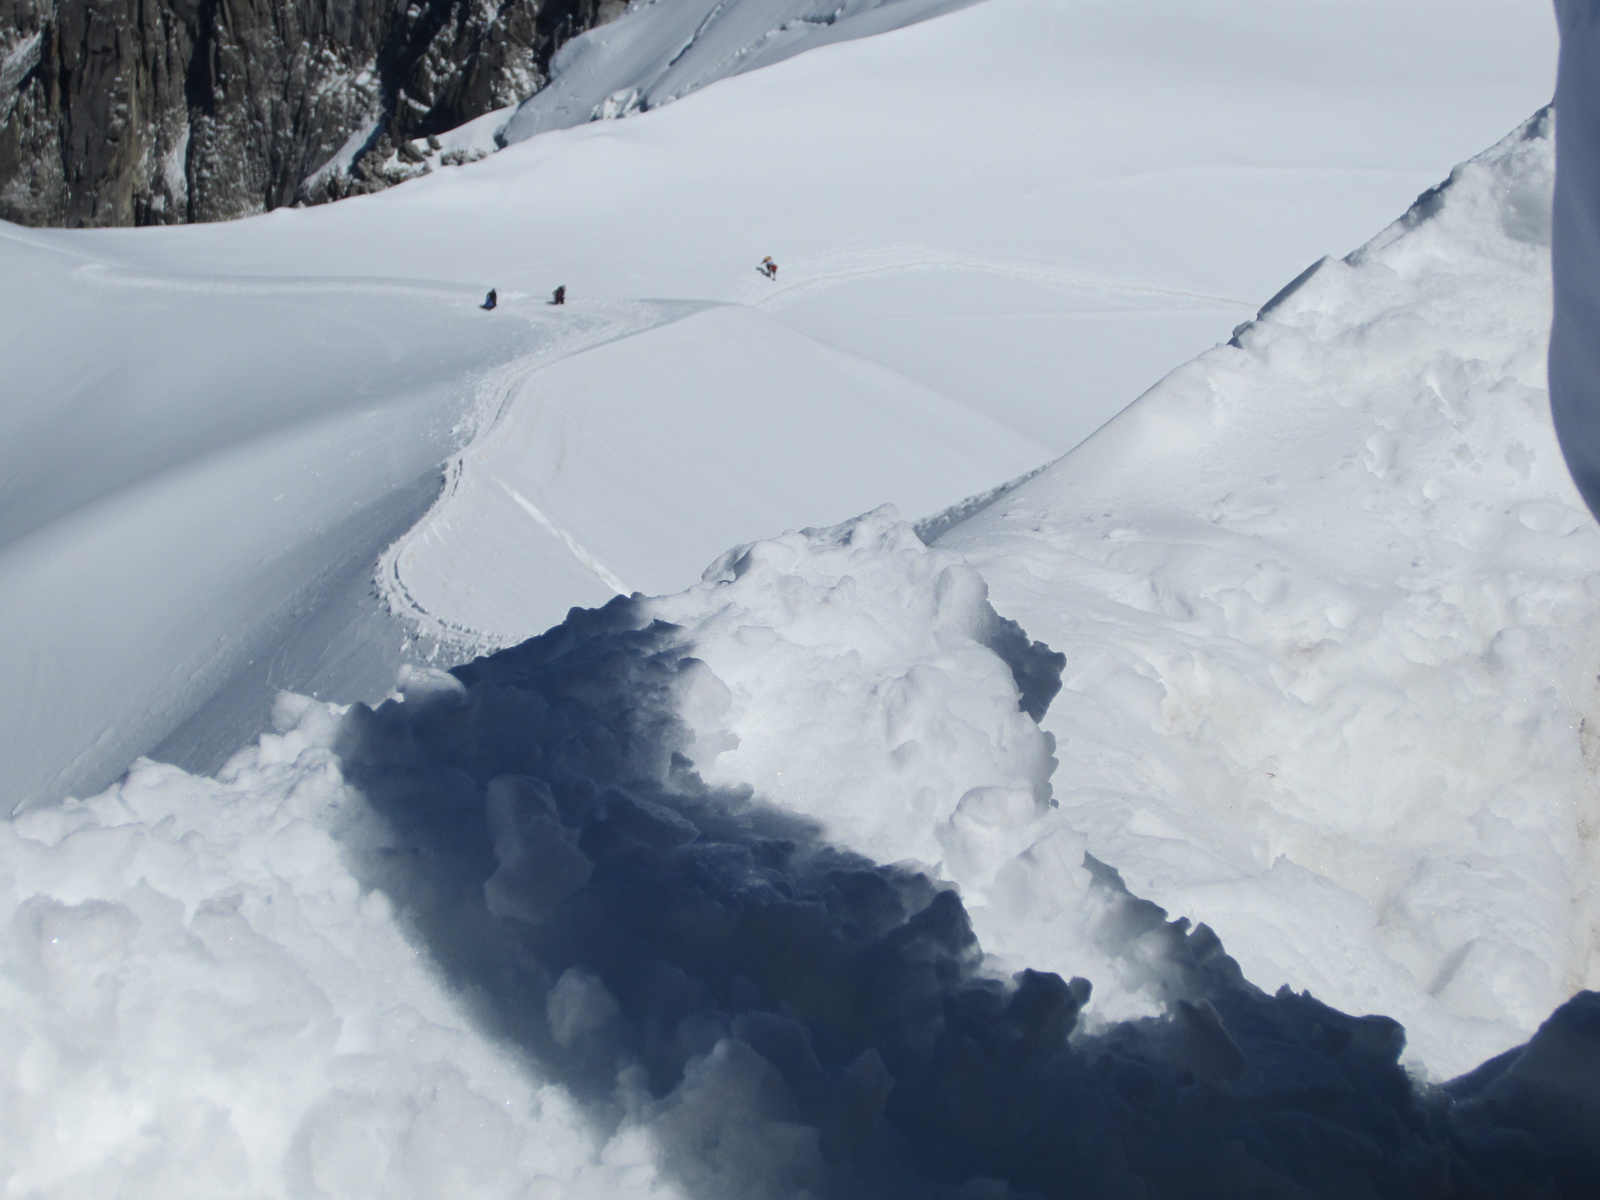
x: 768, y: 268
x: 560, y: 295
x: 490, y: 300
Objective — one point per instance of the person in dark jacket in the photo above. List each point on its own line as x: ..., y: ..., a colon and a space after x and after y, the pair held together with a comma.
x: 492, y: 299
x: 1575, y: 248
x: 560, y: 295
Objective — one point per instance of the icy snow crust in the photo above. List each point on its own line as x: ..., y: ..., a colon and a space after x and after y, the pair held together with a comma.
x: 498, y: 935
x: 1327, y: 597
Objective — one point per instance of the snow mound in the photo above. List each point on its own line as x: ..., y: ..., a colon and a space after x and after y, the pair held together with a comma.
x: 198, y: 999
x: 1327, y: 597
x: 661, y: 50
x: 499, y: 936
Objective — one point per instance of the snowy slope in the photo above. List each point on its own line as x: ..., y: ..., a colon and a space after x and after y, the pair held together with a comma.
x: 197, y: 474
x: 608, y: 914
x: 621, y: 464
x: 662, y: 50
x: 198, y: 496
x: 495, y: 936
x: 1198, y: 175
x: 1327, y: 599
x: 1037, y: 208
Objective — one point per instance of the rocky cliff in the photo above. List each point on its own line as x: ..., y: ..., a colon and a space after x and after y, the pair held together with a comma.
x: 137, y: 112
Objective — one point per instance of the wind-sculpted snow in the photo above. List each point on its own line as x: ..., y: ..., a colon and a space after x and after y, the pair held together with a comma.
x: 498, y: 936
x: 1328, y: 600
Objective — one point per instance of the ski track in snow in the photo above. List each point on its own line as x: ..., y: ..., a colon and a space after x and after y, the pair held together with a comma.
x: 578, y: 552
x: 820, y: 272
x: 592, y: 325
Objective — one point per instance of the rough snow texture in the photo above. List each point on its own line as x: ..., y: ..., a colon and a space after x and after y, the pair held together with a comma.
x: 497, y: 936
x: 1328, y: 597
x: 198, y: 999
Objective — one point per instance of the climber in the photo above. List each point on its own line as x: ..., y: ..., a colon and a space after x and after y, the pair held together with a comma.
x: 560, y: 295
x: 768, y: 267
x: 490, y: 300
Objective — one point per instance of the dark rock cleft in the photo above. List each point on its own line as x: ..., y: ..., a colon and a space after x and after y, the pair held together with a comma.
x: 147, y: 112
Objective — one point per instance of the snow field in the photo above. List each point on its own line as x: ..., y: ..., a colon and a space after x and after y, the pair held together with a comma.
x: 591, y: 916
x: 913, y: 187
x: 1326, y: 597
x: 1065, y: 142
x: 198, y: 475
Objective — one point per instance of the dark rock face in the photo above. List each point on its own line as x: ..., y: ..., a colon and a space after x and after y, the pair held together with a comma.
x: 138, y: 112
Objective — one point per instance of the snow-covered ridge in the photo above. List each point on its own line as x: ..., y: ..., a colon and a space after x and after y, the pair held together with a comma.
x: 1327, y: 597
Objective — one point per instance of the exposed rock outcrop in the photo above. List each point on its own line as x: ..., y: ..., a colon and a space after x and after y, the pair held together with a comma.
x: 135, y: 112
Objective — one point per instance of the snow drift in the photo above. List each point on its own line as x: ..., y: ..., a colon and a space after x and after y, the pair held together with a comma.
x: 649, y: 983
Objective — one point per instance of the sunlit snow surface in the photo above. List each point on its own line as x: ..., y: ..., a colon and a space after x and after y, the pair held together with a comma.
x: 664, y: 901
x: 1328, y: 599
x: 1033, y: 208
